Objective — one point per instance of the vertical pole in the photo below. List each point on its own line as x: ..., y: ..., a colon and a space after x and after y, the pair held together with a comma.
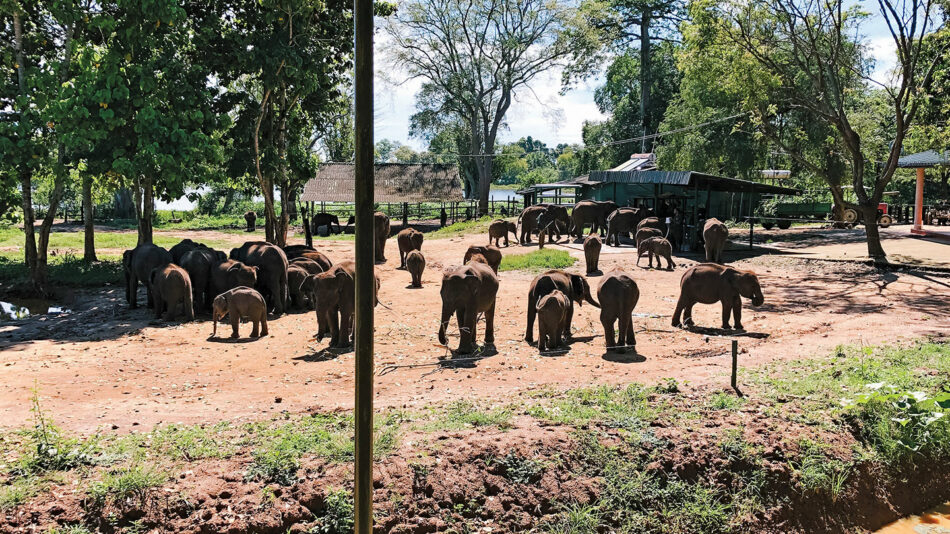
x: 735, y: 366
x: 919, y: 203
x: 365, y: 260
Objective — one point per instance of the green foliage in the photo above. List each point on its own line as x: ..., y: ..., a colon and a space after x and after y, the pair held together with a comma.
x: 816, y: 472
x: 474, y: 226
x: 64, y: 270
x: 464, y: 414
x: 899, y: 423
x: 627, y: 407
x: 724, y: 401
x: 51, y: 450
x: 519, y: 469
x: 337, y: 516
x: 574, y: 518
x: 133, y: 484
x: 539, y: 260
x: 276, y: 462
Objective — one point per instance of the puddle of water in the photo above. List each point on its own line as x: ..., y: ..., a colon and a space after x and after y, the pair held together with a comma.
x: 936, y: 521
x: 19, y: 309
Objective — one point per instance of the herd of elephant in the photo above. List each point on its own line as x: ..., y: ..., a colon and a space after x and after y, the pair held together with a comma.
x: 259, y: 277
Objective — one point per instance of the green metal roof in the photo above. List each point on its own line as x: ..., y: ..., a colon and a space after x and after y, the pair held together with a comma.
x: 927, y: 158
x: 688, y: 179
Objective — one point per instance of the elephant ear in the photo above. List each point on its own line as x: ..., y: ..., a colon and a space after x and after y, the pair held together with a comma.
x: 153, y: 274
x: 731, y: 277
x: 472, y: 282
x: 577, y: 288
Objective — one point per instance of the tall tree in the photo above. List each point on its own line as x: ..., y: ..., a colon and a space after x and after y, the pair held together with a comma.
x: 809, y: 55
x: 473, y: 56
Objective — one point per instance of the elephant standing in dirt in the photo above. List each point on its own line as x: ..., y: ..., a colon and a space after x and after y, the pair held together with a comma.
x: 715, y: 235
x: 325, y: 219
x: 294, y: 252
x: 272, y: 271
x: 573, y: 285
x: 708, y: 283
x: 138, y: 264
x: 592, y: 246
x: 230, y: 274
x: 466, y: 292
x: 499, y: 228
x: 183, y: 247
x: 335, y: 292
x: 240, y: 303
x: 618, y: 294
x: 528, y: 220
x: 416, y: 264
x: 553, y: 311
x: 308, y: 265
x: 408, y: 239
x: 659, y: 247
x: 592, y: 212
x: 646, y: 233
x: 491, y: 253
x: 381, y: 232
x: 301, y: 297
x: 251, y: 219
x: 171, y: 286
x: 551, y: 221
x: 198, y: 263
x: 623, y: 221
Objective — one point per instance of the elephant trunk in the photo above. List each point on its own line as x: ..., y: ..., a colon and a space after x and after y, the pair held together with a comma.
x: 446, y: 316
x: 589, y: 297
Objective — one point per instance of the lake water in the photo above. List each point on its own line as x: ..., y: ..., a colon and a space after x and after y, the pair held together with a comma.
x: 19, y: 309
x: 936, y: 521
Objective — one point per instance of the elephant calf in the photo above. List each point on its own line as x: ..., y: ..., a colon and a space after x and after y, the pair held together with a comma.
x: 659, y: 247
x: 618, y: 294
x: 553, y: 311
x: 416, y: 263
x: 646, y: 233
x: 499, y: 228
x: 715, y: 235
x: 491, y: 254
x: 592, y: 246
x: 467, y: 292
x: 171, y: 286
x: 300, y: 297
x: 708, y: 283
x: 335, y: 292
x: 240, y: 303
x: 408, y: 239
x: 573, y: 285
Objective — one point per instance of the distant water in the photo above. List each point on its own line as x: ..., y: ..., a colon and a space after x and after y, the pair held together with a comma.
x: 503, y: 194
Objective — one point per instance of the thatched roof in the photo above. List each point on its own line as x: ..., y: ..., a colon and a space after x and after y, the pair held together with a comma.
x: 395, y: 182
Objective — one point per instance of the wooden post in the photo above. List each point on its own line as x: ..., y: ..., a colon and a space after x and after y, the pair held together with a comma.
x: 735, y: 366
x: 365, y: 267
x: 919, y: 204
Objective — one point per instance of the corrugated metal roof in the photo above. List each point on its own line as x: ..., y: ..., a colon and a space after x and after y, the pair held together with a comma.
x: 927, y: 158
x: 395, y: 182
x: 688, y: 179
x: 637, y: 162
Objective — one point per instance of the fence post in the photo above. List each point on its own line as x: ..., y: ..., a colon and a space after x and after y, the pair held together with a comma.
x: 735, y: 366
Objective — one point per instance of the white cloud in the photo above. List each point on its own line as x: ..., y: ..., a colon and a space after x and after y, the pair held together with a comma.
x: 881, y: 48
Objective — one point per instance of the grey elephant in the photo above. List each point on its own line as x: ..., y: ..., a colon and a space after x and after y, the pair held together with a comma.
x: 308, y: 265
x: 325, y: 219
x: 184, y: 246
x: 618, y: 294
x: 381, y: 233
x: 593, y: 213
x: 199, y: 263
x: 240, y: 303
x: 573, y: 285
x: 251, y: 219
x: 416, y: 264
x: 715, y: 235
x: 230, y: 274
x: 708, y: 283
x: 528, y: 221
x: 336, y: 303
x: 408, y: 239
x: 592, y: 246
x: 491, y: 253
x: 138, y: 264
x: 301, y: 296
x: 498, y: 229
x: 659, y: 247
x: 171, y: 286
x: 553, y: 311
x: 303, y: 251
x: 551, y: 222
x: 651, y: 222
x: 622, y: 221
x: 646, y: 233
x: 466, y: 292
x: 272, y: 266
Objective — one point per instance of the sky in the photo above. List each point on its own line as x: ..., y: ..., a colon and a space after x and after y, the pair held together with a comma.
x: 530, y: 113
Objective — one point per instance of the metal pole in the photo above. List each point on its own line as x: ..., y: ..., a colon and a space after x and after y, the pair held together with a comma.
x: 735, y: 365
x: 365, y: 260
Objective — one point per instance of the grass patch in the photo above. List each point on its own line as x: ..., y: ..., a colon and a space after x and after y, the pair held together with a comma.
x: 474, y: 226
x: 64, y: 270
x: 464, y: 414
x: 539, y: 260
x: 337, y: 516
x: 624, y: 407
x: 126, y: 485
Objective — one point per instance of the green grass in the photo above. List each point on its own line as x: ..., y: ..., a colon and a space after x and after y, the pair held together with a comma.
x: 134, y: 483
x: 539, y: 260
x: 461, y: 228
x: 113, y: 239
x: 65, y: 270
x: 464, y: 414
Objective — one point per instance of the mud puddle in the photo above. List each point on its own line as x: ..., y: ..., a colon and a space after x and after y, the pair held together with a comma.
x: 19, y: 309
x: 936, y: 521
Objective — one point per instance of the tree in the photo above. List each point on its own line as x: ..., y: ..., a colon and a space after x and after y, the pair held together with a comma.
x: 809, y: 56
x: 473, y: 56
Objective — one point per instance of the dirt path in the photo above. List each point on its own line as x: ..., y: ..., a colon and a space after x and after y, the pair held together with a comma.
x: 105, y: 365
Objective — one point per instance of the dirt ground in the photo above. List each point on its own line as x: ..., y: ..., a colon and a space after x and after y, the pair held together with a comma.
x: 104, y: 365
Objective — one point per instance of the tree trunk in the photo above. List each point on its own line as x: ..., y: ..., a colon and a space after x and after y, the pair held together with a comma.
x: 646, y: 79
x: 838, y: 204
x: 484, y: 165
x: 228, y: 199
x: 88, y: 213
x: 144, y: 208
x: 283, y: 222
x: 270, y: 217
x: 875, y: 250
x: 29, y: 216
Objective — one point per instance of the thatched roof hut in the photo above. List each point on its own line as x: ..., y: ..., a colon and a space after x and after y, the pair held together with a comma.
x: 395, y: 182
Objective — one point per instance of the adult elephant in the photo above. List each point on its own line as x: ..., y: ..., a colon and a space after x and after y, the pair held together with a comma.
x: 272, y: 271
x: 381, y: 232
x: 573, y: 285
x: 184, y: 246
x: 715, y: 235
x: 552, y: 220
x: 622, y: 221
x: 325, y: 219
x: 466, y: 292
x: 335, y: 293
x: 230, y: 274
x: 199, y: 263
x: 138, y: 264
x: 592, y: 212
x: 618, y: 294
x: 528, y: 221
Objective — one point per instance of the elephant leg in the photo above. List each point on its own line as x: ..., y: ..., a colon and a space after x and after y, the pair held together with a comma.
x: 263, y: 319
x: 688, y: 313
x: 446, y: 317
x: 681, y: 305
x: 189, y: 306
x: 346, y: 327
x: 737, y: 313
x: 622, y: 330
x: 567, y: 323
x: 541, y: 239
x: 669, y: 262
x: 490, y: 325
x: 235, y: 318
x: 726, y: 312
x: 157, y: 307
x: 710, y: 255
x: 275, y: 291
x: 558, y: 333
x: 334, y: 324
x: 254, y: 331
x: 631, y: 337
x: 506, y: 241
x: 608, y: 323
x: 532, y: 313
x: 467, y: 332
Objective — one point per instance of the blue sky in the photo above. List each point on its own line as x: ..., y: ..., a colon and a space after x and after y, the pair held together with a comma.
x: 531, y: 112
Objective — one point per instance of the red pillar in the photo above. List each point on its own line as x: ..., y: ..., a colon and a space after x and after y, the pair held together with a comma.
x: 919, y: 204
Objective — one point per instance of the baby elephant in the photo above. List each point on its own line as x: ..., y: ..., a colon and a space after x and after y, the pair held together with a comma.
x: 553, y: 311
x: 498, y: 229
x: 592, y: 246
x: 656, y: 246
x: 239, y: 303
x: 715, y: 234
x: 416, y: 263
x: 618, y: 294
x: 170, y: 285
x: 707, y: 283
